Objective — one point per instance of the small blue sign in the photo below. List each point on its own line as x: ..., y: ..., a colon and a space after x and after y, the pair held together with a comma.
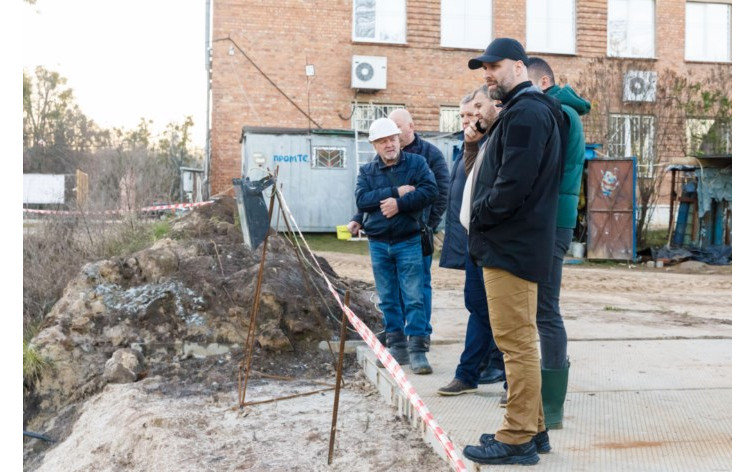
x: 290, y: 158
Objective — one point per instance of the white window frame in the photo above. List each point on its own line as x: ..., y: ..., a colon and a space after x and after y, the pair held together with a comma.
x: 449, y: 120
x: 381, y: 11
x: 706, y: 34
x: 696, y: 130
x: 315, y: 160
x: 628, y: 146
x: 470, y: 28
x: 549, y: 37
x: 622, y: 8
x: 364, y: 114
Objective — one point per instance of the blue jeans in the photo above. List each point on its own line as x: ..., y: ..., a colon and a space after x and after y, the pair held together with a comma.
x: 478, y: 338
x: 398, y: 273
x: 549, y: 319
x: 427, y: 262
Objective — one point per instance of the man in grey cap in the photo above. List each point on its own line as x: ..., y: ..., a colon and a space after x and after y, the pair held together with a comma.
x: 392, y: 191
x: 513, y: 190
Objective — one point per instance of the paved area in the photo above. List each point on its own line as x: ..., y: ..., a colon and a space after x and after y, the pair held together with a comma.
x: 641, y: 396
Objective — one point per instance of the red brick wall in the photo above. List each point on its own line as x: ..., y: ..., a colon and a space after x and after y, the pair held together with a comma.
x: 282, y: 36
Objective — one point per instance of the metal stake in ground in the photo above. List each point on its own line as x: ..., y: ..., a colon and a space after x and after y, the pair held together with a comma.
x: 249, y: 346
x: 342, y: 340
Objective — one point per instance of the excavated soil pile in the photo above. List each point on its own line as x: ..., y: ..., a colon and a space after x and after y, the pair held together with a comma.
x: 180, y: 310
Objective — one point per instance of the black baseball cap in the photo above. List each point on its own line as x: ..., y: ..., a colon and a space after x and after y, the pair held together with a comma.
x: 499, y: 49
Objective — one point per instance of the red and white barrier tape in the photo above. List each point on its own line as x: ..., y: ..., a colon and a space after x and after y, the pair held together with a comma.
x: 118, y: 212
x: 385, y: 357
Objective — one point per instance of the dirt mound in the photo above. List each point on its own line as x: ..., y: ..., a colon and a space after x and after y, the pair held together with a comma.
x: 181, y: 310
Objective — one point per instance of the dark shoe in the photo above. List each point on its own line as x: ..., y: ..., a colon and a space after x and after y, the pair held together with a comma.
x: 456, y: 387
x: 397, y: 343
x: 418, y: 346
x: 495, y: 452
x: 541, y: 441
x: 553, y: 393
x: 491, y: 375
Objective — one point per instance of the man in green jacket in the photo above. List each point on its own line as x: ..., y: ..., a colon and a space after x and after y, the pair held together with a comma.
x: 553, y: 337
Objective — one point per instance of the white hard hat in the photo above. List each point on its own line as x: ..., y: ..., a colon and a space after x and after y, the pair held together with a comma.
x: 381, y: 128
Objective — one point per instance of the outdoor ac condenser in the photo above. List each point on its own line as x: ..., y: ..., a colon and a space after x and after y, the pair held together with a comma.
x: 639, y: 86
x: 369, y: 72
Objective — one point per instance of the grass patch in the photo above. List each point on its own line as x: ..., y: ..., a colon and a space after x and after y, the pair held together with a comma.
x: 160, y: 230
x: 329, y: 242
x: 613, y: 308
x: 34, y: 365
x: 656, y: 237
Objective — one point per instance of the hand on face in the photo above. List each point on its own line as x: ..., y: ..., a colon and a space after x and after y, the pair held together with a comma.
x: 472, y: 134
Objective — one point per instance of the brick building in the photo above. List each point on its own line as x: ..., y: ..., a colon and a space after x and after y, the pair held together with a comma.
x: 262, y: 51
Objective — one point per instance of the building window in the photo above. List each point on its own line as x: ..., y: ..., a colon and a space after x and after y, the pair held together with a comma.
x: 633, y: 135
x: 708, y: 137
x: 329, y: 158
x: 365, y: 113
x: 466, y: 24
x: 449, y: 121
x: 707, y: 32
x: 630, y: 28
x: 551, y: 26
x: 383, y: 21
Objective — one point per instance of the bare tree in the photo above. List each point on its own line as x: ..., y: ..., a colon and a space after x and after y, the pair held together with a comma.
x: 640, y: 112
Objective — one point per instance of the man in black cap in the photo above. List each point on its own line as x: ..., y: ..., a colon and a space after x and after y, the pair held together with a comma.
x: 512, y: 222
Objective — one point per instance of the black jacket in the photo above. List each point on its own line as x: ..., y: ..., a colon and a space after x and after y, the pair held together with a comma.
x: 514, y: 203
x: 435, y: 158
x: 374, y: 184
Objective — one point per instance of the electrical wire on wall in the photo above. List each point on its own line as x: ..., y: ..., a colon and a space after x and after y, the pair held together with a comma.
x: 354, y: 106
x: 269, y: 79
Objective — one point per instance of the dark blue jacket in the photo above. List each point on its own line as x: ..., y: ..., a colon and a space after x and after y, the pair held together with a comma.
x: 374, y: 184
x: 432, y: 214
x: 454, y: 250
x: 435, y: 158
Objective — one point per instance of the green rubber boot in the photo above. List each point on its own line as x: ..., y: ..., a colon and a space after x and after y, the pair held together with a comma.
x: 553, y: 393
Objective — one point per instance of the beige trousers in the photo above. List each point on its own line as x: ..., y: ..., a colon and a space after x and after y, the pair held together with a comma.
x: 512, y: 304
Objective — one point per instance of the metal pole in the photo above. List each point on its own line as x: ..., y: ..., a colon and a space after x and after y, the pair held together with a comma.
x: 250, y: 344
x: 338, y: 378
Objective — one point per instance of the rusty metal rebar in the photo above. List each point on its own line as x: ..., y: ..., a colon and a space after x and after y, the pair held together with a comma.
x: 303, y: 394
x: 250, y: 343
x: 342, y: 340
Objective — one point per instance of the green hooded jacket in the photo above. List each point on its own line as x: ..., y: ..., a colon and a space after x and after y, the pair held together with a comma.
x: 574, y: 106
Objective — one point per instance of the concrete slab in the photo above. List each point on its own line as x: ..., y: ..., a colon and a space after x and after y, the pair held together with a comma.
x: 651, y: 405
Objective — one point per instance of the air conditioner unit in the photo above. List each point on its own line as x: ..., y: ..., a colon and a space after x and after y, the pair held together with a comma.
x: 369, y: 72
x: 640, y: 86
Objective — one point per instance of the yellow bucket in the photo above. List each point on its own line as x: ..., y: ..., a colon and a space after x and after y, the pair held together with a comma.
x: 342, y: 232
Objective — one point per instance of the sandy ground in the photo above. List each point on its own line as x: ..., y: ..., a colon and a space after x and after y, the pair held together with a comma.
x: 136, y: 427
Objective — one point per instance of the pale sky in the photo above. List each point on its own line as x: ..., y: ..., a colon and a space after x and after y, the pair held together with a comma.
x: 124, y: 59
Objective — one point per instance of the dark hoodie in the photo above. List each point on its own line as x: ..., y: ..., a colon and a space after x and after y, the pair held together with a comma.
x: 573, y: 105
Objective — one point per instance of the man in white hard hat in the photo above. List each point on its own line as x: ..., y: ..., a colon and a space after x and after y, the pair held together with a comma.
x: 392, y: 191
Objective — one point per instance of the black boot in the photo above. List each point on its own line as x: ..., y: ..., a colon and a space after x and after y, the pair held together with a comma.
x: 397, y: 343
x: 418, y: 346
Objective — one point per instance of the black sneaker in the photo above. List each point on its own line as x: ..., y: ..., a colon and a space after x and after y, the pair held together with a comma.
x: 456, y: 387
x: 495, y: 452
x: 541, y: 441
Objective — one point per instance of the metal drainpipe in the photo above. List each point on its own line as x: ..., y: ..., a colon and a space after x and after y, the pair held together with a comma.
x: 208, y: 61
